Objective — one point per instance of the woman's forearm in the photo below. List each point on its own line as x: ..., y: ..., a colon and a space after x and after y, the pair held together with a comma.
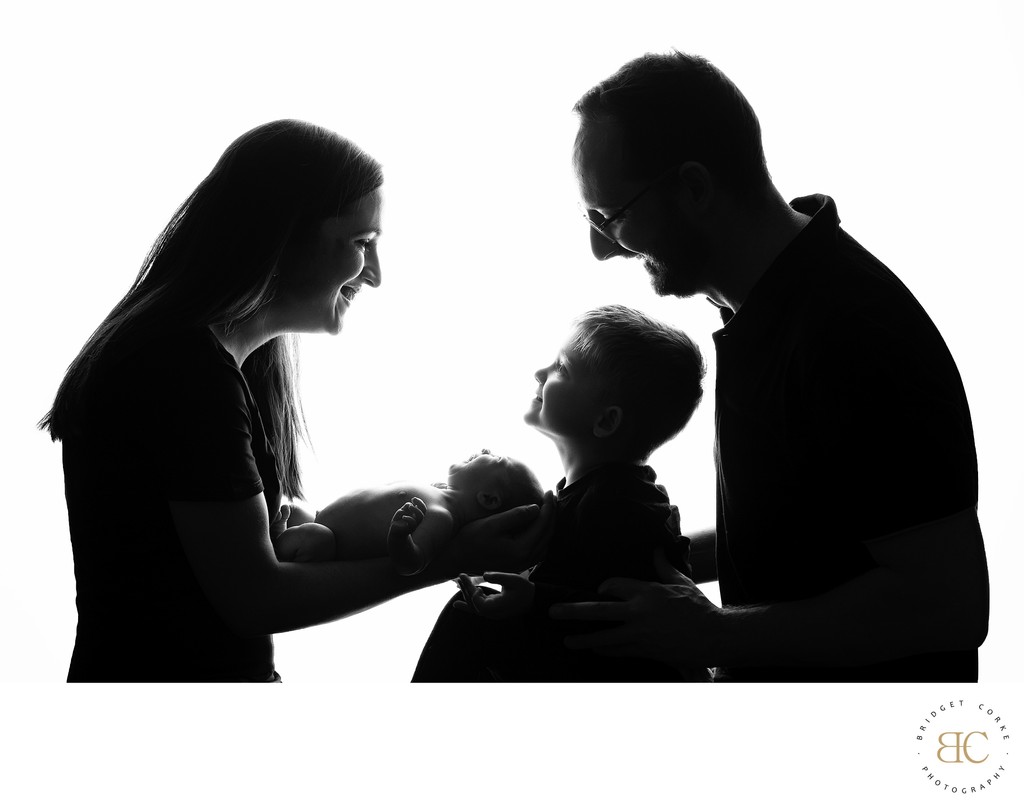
x: 296, y: 595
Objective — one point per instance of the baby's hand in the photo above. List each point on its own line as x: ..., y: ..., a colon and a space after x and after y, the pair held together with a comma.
x: 514, y: 599
x: 408, y: 517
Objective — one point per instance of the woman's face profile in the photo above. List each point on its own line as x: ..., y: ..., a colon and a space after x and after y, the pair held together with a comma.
x: 320, y: 277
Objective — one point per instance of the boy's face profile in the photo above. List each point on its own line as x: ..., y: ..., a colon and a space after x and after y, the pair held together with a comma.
x: 569, y: 401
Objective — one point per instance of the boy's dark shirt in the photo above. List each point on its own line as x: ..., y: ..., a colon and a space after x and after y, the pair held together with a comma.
x: 607, y: 524
x: 174, y: 421
x: 840, y: 418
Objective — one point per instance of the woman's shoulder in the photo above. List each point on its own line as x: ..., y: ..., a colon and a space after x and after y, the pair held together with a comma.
x: 171, y: 371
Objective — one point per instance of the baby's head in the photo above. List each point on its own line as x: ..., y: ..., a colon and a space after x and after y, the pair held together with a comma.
x: 622, y: 378
x: 490, y: 483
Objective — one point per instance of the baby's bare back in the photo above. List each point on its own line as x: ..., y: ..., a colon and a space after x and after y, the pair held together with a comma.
x: 360, y: 519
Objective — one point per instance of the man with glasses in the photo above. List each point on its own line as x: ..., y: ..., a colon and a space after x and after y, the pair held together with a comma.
x: 847, y: 545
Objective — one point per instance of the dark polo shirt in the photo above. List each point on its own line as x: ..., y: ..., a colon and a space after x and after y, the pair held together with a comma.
x: 840, y: 418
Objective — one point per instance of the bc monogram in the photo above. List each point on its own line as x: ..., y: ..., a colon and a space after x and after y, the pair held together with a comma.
x: 962, y: 745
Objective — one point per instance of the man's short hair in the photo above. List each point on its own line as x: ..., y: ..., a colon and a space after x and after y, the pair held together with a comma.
x: 676, y: 107
x: 654, y: 370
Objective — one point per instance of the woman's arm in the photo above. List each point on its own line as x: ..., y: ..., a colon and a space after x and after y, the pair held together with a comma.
x: 229, y: 549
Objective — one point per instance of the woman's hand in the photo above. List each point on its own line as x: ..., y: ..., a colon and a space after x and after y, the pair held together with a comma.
x: 511, y: 541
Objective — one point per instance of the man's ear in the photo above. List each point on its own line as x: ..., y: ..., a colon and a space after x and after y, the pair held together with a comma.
x: 698, y: 187
x: 608, y: 421
x: 488, y: 500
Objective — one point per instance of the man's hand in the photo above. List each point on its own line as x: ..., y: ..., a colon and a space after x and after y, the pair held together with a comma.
x: 511, y: 541
x: 514, y: 599
x: 672, y: 622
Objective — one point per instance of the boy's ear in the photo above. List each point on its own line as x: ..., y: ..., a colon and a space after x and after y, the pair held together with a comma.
x: 488, y: 500
x: 608, y: 422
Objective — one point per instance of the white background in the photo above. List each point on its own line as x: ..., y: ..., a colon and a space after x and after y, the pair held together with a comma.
x: 908, y: 114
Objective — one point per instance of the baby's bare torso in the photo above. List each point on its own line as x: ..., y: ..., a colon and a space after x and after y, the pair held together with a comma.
x: 368, y: 511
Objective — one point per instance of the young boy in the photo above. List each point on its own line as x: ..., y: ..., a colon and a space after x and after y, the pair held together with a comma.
x: 622, y: 385
x: 409, y: 521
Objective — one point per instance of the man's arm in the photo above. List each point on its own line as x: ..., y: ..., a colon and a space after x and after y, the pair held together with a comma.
x: 928, y: 593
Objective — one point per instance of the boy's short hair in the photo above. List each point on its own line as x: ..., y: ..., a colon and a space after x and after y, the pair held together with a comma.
x: 654, y: 369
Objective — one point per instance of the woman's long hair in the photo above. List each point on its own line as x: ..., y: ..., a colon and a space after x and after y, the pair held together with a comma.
x: 215, y: 263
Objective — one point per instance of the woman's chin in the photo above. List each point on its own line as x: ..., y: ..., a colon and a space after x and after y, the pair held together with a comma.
x: 337, y: 319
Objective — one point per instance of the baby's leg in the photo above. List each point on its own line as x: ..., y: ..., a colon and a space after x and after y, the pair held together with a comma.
x: 306, y: 542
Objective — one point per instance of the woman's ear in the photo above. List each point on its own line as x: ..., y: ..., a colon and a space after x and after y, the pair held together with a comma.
x: 488, y: 500
x: 608, y: 421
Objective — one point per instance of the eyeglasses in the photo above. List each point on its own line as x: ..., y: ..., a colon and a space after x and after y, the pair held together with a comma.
x: 601, y: 224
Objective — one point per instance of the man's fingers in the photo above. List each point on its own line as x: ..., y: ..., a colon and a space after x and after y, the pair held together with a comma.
x: 623, y: 588
x: 606, y: 641
x: 502, y: 578
x: 590, y: 610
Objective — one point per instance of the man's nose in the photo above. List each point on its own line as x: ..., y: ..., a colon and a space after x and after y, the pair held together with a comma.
x: 603, y: 247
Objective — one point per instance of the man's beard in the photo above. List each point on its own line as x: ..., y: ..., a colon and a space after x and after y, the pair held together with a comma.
x: 675, y: 272
x: 664, y: 280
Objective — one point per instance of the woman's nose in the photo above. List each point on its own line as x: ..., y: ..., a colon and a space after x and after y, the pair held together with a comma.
x: 371, y: 270
x: 540, y: 375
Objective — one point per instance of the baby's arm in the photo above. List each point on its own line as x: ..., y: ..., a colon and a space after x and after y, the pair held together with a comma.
x: 306, y: 542
x: 413, y: 539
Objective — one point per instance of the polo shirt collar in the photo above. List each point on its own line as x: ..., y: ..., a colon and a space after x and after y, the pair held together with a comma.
x: 789, y: 268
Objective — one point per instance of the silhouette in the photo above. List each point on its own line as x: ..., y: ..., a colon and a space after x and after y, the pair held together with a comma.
x: 411, y: 522
x: 847, y: 473
x: 182, y: 404
x: 622, y: 385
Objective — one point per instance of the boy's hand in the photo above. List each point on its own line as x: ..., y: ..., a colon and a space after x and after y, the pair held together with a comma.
x: 408, y: 517
x: 514, y: 599
x: 511, y: 541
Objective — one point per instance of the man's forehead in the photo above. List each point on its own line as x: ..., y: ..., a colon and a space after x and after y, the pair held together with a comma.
x: 598, y: 160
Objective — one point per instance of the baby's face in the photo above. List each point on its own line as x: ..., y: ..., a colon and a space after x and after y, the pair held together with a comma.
x: 476, y: 472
